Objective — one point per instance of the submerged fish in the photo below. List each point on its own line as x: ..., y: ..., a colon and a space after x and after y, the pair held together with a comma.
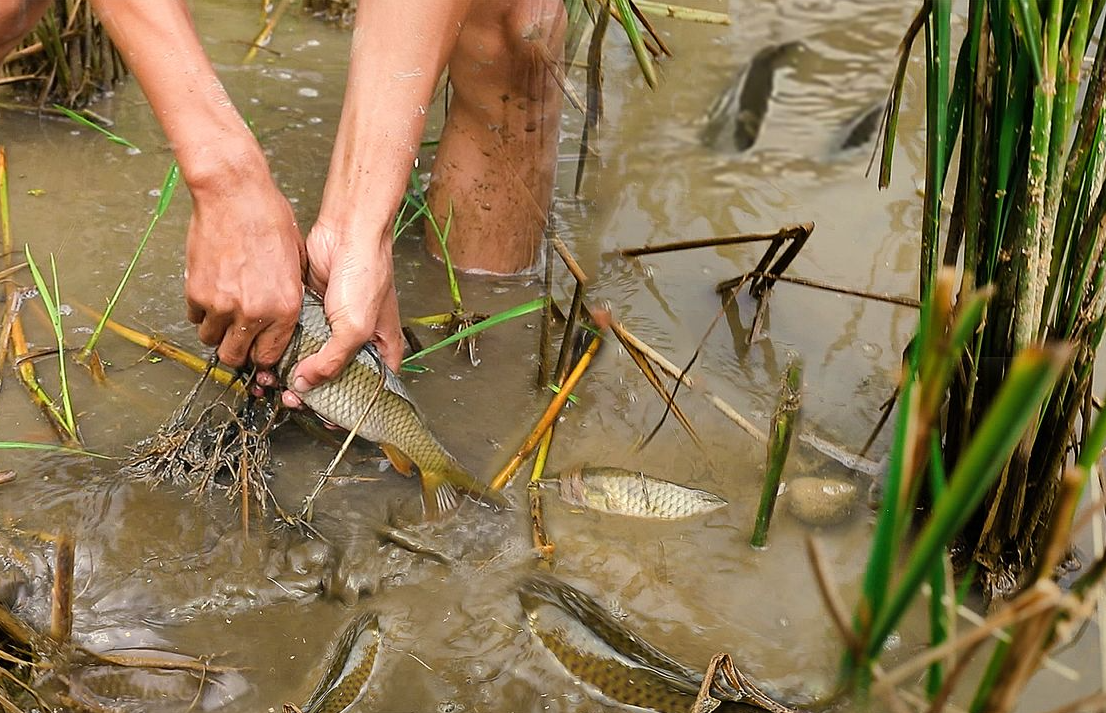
x: 745, y: 102
x: 627, y: 492
x: 351, y: 662
x: 863, y: 127
x: 594, y: 647
x: 393, y: 421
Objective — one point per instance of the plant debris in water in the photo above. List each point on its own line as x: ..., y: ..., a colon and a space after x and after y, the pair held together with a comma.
x: 217, y: 447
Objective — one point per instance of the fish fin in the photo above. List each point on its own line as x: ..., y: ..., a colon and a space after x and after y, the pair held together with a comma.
x: 398, y: 459
x: 440, y: 491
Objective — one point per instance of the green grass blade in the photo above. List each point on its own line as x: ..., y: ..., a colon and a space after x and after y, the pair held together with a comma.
x: 505, y: 315
x: 1028, y: 21
x: 55, y: 317
x: 55, y: 321
x: 1028, y: 382
x: 168, y: 187
x: 116, y: 138
x: 27, y: 446
x: 637, y: 42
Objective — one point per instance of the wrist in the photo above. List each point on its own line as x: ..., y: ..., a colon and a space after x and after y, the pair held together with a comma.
x: 222, y: 169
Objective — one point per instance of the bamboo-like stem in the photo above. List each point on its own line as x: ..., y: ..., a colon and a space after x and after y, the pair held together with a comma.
x: 787, y: 232
x: 265, y: 35
x: 163, y: 347
x: 548, y: 418
x: 779, y: 444
x: 61, y: 610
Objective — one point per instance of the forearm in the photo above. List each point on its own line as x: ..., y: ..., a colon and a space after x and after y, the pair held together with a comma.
x: 399, y: 50
x: 158, y: 39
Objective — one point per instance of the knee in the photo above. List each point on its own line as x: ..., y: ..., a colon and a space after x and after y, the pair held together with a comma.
x: 530, y: 22
x: 17, y: 18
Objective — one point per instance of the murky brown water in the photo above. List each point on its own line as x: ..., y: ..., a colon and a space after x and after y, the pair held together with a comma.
x: 157, y: 566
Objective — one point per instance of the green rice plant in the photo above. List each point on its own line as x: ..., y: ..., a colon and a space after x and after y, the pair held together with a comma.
x: 168, y: 187
x: 779, y: 444
x: 472, y: 330
x: 1027, y: 220
x: 30, y: 446
x: 84, y: 121
x: 52, y: 302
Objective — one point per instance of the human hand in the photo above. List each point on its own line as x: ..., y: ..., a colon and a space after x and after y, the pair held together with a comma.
x: 244, y: 260
x: 354, y: 275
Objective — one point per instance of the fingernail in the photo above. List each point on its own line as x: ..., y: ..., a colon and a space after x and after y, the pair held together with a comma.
x: 300, y: 385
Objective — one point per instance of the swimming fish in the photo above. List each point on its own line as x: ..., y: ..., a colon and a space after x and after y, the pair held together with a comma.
x: 393, y: 421
x: 746, y: 100
x: 600, y: 651
x: 351, y: 662
x: 627, y: 492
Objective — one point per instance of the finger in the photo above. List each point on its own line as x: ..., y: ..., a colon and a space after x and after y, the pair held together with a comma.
x: 289, y: 399
x: 235, y: 345
x: 270, y: 343
x: 390, y: 338
x: 212, y: 328
x: 323, y: 365
x: 194, y: 313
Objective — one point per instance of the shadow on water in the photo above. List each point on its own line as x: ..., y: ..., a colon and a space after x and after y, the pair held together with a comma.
x: 158, y: 568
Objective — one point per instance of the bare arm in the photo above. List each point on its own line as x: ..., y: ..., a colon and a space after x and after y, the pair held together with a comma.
x: 400, y: 48
x: 244, y: 253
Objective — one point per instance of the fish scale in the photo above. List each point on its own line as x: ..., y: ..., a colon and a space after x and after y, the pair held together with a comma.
x: 351, y: 663
x: 625, y: 492
x: 600, y: 651
x: 393, y: 421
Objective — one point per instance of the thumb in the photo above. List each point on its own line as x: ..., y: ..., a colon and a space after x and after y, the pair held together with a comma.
x: 324, y: 365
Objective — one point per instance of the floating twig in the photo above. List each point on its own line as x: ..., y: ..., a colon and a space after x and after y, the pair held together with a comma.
x: 831, y: 597
x: 675, y: 372
x: 654, y: 381
x: 818, y: 285
x: 787, y: 232
x: 549, y: 417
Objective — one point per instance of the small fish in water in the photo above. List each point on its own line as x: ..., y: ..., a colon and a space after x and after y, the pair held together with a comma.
x: 603, y: 653
x: 351, y: 663
x: 627, y: 492
x: 393, y: 421
x: 746, y: 100
x: 862, y: 128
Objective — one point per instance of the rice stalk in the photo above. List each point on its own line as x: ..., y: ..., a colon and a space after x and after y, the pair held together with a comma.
x: 68, y: 59
x: 168, y: 187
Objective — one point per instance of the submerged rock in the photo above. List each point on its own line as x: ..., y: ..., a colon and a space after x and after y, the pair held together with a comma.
x: 819, y: 502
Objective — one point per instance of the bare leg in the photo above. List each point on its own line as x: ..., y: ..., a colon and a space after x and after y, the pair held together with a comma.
x: 17, y: 18
x: 497, y: 157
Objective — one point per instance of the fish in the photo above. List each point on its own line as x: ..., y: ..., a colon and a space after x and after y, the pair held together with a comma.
x: 610, y: 658
x: 632, y: 493
x: 152, y: 689
x: 351, y: 663
x: 863, y: 127
x: 393, y: 421
x: 746, y: 100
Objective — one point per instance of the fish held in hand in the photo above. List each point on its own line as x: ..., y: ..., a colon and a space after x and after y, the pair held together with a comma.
x: 603, y: 653
x: 626, y: 492
x: 392, y: 419
x: 351, y: 663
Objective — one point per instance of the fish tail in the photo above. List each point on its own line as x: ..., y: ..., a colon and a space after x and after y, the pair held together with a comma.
x: 441, y: 489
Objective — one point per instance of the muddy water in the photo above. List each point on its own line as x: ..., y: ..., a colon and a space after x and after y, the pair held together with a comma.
x: 159, y: 567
